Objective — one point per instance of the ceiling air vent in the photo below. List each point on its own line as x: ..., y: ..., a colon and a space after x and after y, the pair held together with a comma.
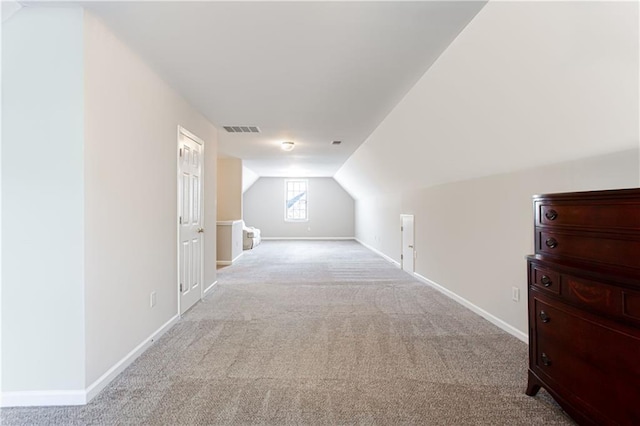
x: 242, y: 129
x: 336, y: 142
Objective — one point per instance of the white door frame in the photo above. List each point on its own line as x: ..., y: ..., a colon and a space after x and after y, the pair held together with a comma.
x: 413, y: 238
x: 184, y: 132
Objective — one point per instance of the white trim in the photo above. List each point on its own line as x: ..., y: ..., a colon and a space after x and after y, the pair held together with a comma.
x: 237, y: 257
x: 461, y: 300
x: 121, y: 365
x: 208, y: 289
x: 379, y: 253
x: 178, y: 204
x: 228, y: 262
x: 42, y: 398
x: 478, y: 310
x: 306, y: 213
x: 227, y: 222
x: 309, y: 238
x: 82, y: 397
x: 183, y: 131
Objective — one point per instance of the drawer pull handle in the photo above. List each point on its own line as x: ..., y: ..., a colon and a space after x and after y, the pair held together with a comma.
x: 546, y: 281
x: 551, y: 214
x: 545, y: 360
x: 551, y: 242
x: 544, y: 317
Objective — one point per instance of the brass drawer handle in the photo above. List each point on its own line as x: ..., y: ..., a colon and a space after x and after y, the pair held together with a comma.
x: 551, y: 214
x: 551, y: 243
x: 546, y: 281
x: 544, y: 317
x: 545, y: 359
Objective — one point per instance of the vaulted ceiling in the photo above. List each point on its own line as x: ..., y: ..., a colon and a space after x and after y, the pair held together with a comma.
x: 307, y: 72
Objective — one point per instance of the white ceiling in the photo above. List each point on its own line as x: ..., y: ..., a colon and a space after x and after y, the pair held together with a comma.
x: 310, y: 72
x: 9, y: 7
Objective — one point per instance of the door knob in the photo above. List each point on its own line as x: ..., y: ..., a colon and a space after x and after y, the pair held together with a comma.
x: 200, y: 230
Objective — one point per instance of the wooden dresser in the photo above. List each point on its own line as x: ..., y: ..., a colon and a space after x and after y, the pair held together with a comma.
x: 584, y: 304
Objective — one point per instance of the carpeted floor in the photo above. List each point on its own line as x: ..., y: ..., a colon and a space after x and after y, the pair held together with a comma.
x: 319, y: 332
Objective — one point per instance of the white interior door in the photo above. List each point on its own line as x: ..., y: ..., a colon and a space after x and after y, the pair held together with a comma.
x: 190, y: 220
x: 408, y: 250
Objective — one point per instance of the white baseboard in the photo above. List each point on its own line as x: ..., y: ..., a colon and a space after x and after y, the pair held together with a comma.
x: 43, y: 398
x: 121, y: 365
x: 461, y: 300
x: 208, y: 289
x: 486, y: 315
x: 310, y: 238
x: 379, y: 253
x: 81, y: 397
x: 228, y: 262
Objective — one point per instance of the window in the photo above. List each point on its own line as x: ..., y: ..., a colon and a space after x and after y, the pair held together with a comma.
x: 295, y: 200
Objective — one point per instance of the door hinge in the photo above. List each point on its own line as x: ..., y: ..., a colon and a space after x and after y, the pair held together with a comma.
x: 180, y: 287
x: 180, y: 220
x: 180, y: 152
x: 401, y: 257
x: 401, y: 228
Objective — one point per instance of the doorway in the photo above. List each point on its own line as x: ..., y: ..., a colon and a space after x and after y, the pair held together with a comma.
x: 190, y: 211
x: 408, y: 251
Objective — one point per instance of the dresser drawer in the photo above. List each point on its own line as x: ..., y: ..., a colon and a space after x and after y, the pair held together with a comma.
x: 578, y: 353
x: 612, y: 249
x: 589, y: 215
x: 617, y: 302
x: 546, y: 279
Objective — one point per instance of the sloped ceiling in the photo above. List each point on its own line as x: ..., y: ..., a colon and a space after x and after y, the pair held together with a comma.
x: 524, y: 85
x: 9, y: 7
x: 310, y: 72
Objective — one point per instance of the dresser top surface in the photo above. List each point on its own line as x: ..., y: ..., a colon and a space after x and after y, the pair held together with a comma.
x: 618, y: 194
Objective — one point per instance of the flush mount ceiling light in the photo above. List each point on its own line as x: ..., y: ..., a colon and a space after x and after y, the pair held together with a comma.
x: 287, y: 145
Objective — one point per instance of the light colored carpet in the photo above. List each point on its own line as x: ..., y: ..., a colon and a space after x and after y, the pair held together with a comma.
x: 319, y: 332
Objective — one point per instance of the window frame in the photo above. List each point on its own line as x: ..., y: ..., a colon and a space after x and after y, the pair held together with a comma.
x: 286, y: 193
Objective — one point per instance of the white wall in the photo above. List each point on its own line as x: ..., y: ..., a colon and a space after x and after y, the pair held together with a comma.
x: 229, y: 244
x: 249, y: 177
x: 331, y: 210
x: 532, y: 97
x: 132, y: 117
x: 229, y: 188
x: 43, y: 197
x: 472, y: 236
x: 92, y: 221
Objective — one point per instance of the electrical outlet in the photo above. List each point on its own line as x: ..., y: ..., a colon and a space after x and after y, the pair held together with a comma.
x: 152, y: 299
x: 515, y: 294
